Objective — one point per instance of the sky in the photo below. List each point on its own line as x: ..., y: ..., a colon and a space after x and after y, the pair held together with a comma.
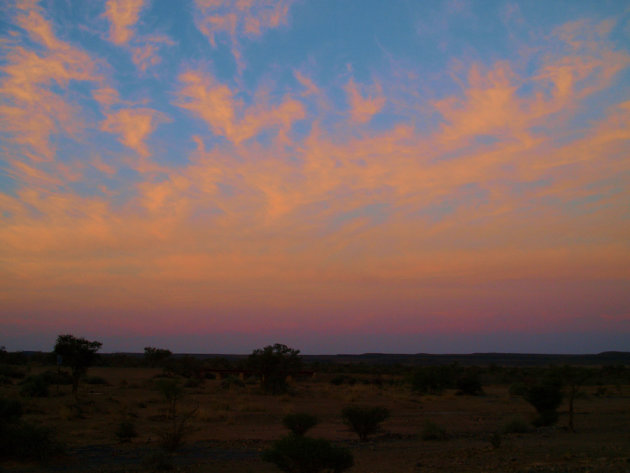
x: 214, y: 176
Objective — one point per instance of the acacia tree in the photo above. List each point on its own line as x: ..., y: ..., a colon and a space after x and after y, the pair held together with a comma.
x: 154, y: 356
x: 77, y: 353
x: 273, y: 364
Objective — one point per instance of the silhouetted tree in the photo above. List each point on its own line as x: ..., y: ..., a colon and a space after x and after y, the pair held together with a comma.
x: 154, y: 356
x: 546, y: 397
x: 364, y: 421
x: 78, y: 354
x: 273, y: 364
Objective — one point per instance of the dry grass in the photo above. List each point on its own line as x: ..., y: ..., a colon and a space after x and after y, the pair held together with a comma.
x: 231, y: 427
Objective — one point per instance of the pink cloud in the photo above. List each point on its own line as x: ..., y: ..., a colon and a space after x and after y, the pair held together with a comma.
x: 133, y: 125
x: 123, y: 15
x: 363, y: 108
x: 227, y: 116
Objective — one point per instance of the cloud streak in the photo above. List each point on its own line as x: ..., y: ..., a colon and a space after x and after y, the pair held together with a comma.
x: 280, y: 201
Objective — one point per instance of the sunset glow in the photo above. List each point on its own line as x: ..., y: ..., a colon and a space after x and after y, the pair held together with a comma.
x: 339, y: 176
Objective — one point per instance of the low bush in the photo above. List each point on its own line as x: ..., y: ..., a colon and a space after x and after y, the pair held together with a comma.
x: 97, y: 380
x: 433, y: 379
x: 299, y: 423
x: 194, y: 382
x: 495, y: 440
x: 10, y: 410
x: 343, y: 379
x: 469, y: 384
x: 432, y: 431
x: 297, y: 454
x: 545, y: 398
x: 364, y: 421
x: 21, y: 440
x: 126, y: 431
x: 35, y: 386
x: 158, y: 461
x: 57, y: 377
x: 232, y: 381
x: 518, y: 389
x: 516, y: 426
x: 11, y: 371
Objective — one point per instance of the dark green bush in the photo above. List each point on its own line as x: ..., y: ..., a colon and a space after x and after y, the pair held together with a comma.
x: 518, y: 389
x: 299, y: 423
x: 433, y: 379
x: 57, y: 377
x: 469, y: 384
x: 432, y: 431
x: 10, y: 410
x: 364, y: 421
x: 23, y: 441
x: 158, y: 460
x: 35, y: 386
x: 232, y: 381
x: 11, y: 371
x: 343, y: 379
x: 193, y: 382
x: 98, y: 380
x: 516, y: 426
x: 296, y: 454
x: 545, y: 398
x: 126, y: 431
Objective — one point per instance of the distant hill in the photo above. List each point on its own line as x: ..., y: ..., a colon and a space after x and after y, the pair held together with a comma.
x: 427, y: 359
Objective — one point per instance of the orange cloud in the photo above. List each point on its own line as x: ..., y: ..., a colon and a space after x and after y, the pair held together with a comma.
x: 133, y: 125
x: 245, y: 17
x: 227, y: 116
x: 363, y: 108
x: 123, y: 15
x: 146, y: 55
x: 31, y: 113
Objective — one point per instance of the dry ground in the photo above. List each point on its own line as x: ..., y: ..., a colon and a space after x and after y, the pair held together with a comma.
x: 232, y: 426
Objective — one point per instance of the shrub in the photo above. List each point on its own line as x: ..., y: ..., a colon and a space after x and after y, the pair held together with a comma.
x: 57, y: 377
x: 231, y: 381
x: 158, y: 461
x: 23, y: 441
x: 96, y: 380
x: 469, y: 384
x: 35, y: 386
x: 299, y: 423
x: 516, y: 426
x: 10, y: 410
x: 545, y: 398
x: 364, y: 421
x: 432, y: 431
x: 518, y: 389
x: 193, y: 382
x: 11, y: 372
x: 343, y: 379
x: 274, y: 364
x: 432, y: 379
x: 495, y: 440
x: 126, y: 431
x: 172, y: 437
x: 296, y: 454
x: 77, y: 353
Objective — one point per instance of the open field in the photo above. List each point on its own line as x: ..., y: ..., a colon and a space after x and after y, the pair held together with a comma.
x: 231, y: 426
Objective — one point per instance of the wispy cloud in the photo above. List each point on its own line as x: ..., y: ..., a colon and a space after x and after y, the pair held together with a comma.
x: 236, y: 20
x: 122, y: 15
x: 458, y: 200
